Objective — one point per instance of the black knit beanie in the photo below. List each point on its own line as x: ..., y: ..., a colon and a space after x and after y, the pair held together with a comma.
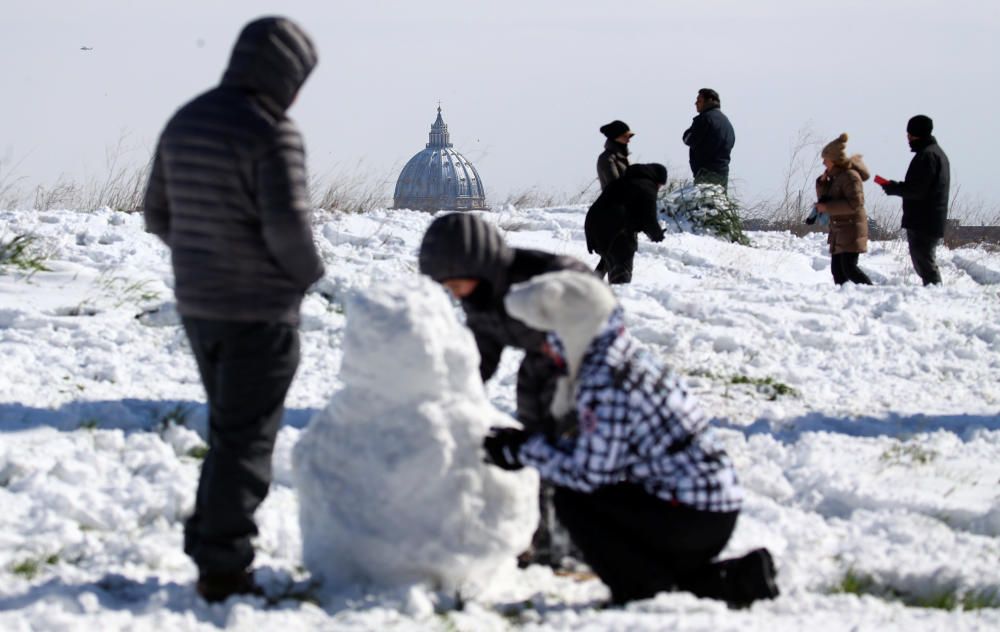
x: 920, y: 126
x: 462, y: 246
x: 614, y: 129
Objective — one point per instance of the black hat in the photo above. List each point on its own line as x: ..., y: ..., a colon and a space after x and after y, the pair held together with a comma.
x: 920, y: 126
x: 614, y: 129
x: 462, y: 245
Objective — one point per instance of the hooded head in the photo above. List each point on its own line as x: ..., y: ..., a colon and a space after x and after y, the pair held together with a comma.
x: 272, y: 58
x: 650, y: 171
x: 836, y: 151
x: 572, y: 305
x: 463, y: 246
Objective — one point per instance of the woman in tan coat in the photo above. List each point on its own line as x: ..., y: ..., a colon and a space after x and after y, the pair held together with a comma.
x: 841, y: 196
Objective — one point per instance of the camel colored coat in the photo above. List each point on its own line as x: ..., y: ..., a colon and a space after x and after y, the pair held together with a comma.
x: 842, y: 190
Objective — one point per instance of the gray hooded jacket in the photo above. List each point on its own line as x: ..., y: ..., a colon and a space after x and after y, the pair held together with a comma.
x: 228, y: 190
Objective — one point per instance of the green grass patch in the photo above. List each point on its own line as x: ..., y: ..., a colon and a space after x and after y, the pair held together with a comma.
x: 767, y: 386
x: 908, y: 454
x: 23, y: 253
x: 30, y: 568
x: 854, y: 583
x: 198, y: 452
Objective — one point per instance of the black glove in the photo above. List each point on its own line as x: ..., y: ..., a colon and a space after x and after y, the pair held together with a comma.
x: 502, y: 445
x: 656, y: 238
x: 811, y: 219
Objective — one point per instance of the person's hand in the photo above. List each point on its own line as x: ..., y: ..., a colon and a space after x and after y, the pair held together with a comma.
x: 656, y: 238
x: 502, y: 445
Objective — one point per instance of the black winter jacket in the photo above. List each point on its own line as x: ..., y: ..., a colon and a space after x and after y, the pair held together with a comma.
x: 711, y: 138
x: 494, y: 329
x: 627, y: 205
x: 228, y: 190
x: 925, y: 190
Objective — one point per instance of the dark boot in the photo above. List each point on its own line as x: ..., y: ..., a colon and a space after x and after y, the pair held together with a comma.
x: 213, y: 587
x: 749, y: 578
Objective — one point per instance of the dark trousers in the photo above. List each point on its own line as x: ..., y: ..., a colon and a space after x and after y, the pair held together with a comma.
x: 639, y: 544
x: 845, y: 268
x: 246, y: 369
x: 704, y: 176
x: 616, y: 260
x: 922, y: 255
x: 536, y: 384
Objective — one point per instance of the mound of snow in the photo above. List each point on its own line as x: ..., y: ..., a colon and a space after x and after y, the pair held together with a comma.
x: 391, y: 483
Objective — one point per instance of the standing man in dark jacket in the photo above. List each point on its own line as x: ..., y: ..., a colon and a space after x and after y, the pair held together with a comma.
x: 613, y: 161
x: 711, y: 139
x: 925, y: 197
x: 228, y: 196
x: 469, y: 257
x: 623, y: 210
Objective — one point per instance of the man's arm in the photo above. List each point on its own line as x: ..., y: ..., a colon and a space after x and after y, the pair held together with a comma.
x: 920, y: 177
x: 693, y: 135
x: 489, y: 353
x: 283, y: 200
x: 155, y: 207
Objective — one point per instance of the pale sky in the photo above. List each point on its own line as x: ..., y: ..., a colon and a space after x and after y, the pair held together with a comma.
x: 524, y: 84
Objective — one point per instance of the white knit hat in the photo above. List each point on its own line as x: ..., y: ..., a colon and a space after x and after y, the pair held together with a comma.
x: 573, y: 305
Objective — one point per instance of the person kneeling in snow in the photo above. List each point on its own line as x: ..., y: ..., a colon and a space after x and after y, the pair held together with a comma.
x: 645, y: 491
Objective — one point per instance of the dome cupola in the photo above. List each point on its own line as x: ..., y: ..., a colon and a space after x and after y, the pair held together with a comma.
x: 439, y: 178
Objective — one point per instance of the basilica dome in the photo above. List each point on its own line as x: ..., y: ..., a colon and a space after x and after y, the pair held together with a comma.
x: 439, y: 178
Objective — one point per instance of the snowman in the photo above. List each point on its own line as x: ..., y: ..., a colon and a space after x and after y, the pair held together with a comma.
x: 392, y: 487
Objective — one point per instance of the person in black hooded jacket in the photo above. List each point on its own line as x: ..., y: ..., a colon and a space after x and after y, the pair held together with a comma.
x: 623, y: 210
x: 228, y: 195
x: 925, y: 197
x: 469, y: 257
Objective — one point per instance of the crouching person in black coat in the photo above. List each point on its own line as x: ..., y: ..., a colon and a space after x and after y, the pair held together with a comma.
x: 469, y: 257
x: 645, y: 490
x: 624, y: 209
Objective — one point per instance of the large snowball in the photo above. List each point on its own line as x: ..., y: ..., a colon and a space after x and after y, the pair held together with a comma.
x: 391, y: 483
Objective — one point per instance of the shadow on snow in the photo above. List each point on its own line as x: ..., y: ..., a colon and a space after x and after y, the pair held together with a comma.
x: 123, y: 414
x: 896, y: 426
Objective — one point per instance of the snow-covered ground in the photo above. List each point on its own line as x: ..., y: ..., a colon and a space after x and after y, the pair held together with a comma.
x: 863, y: 421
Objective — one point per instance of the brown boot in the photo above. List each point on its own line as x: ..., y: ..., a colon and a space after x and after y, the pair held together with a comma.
x: 215, y: 587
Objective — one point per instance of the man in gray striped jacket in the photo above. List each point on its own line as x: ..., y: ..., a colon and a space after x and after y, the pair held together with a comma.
x: 228, y: 195
x: 644, y: 489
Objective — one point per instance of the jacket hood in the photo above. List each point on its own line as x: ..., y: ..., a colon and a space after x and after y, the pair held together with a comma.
x: 464, y: 246
x: 272, y: 58
x: 650, y: 171
x: 857, y: 164
x: 575, y: 308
